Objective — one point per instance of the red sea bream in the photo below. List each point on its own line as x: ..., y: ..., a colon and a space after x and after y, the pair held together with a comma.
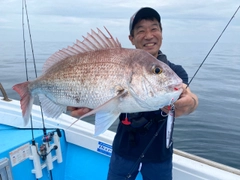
x: 99, y: 74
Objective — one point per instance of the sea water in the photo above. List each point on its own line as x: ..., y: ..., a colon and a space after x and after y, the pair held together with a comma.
x: 212, y: 131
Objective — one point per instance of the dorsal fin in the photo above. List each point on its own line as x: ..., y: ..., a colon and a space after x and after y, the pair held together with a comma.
x: 94, y: 41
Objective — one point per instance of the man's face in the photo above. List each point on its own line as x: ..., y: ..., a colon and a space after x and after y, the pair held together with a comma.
x: 147, y: 35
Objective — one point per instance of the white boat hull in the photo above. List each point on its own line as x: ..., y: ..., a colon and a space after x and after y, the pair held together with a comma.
x: 81, y: 136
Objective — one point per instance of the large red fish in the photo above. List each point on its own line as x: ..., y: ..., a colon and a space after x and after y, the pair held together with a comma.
x: 99, y: 74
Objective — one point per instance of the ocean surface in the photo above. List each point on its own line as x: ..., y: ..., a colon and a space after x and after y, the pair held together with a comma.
x: 212, y: 131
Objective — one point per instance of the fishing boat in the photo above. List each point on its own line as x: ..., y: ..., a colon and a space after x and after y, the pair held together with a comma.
x: 55, y: 151
x: 49, y: 149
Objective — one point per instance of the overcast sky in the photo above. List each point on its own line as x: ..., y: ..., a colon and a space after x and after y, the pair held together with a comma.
x: 68, y: 20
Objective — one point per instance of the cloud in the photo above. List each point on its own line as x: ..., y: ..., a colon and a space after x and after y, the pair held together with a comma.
x: 3, y: 20
x: 67, y: 20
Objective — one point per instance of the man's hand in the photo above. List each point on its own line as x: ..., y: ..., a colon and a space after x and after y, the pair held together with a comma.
x: 76, y: 112
x: 186, y: 103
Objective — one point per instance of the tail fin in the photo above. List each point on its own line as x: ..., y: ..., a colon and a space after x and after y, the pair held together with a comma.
x: 26, y: 100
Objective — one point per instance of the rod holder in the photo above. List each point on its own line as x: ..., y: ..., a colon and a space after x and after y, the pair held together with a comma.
x: 45, y: 154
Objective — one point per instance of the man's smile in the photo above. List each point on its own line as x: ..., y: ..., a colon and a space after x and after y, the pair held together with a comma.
x: 149, y: 44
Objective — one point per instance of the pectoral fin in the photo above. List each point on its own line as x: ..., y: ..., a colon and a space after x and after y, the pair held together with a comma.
x: 103, y: 121
x: 106, y: 113
x: 108, y: 106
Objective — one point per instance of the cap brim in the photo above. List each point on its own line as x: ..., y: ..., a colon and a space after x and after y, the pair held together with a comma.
x: 145, y: 13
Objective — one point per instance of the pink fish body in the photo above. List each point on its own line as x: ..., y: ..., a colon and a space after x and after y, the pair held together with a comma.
x: 99, y: 74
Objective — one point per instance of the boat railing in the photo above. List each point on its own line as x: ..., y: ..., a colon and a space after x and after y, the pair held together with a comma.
x: 208, y: 162
x: 5, y: 97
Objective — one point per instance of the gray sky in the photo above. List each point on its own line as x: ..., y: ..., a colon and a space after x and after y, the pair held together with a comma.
x: 61, y: 20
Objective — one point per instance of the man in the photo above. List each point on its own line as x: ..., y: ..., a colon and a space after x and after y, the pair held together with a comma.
x: 129, y: 145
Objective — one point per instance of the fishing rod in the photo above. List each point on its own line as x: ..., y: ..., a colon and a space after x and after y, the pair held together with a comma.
x: 34, y: 61
x: 129, y: 175
x: 24, y: 6
x: 213, y: 46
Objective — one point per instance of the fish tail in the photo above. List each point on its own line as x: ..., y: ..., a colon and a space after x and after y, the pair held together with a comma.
x: 26, y: 100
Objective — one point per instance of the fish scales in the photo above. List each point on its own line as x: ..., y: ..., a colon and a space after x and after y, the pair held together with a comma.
x: 79, y: 80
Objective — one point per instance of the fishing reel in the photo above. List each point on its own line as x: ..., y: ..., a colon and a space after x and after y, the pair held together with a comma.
x: 48, y: 137
x: 44, y: 152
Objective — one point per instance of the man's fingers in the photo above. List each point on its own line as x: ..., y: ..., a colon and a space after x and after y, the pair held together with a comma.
x: 69, y: 108
x: 165, y: 109
x: 80, y: 111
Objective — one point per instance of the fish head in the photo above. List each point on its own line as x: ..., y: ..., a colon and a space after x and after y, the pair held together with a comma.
x: 153, y: 83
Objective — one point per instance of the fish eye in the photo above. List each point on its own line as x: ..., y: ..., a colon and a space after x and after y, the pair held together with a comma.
x: 157, y: 70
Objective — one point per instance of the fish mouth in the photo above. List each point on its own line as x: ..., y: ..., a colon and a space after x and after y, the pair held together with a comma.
x: 176, y: 87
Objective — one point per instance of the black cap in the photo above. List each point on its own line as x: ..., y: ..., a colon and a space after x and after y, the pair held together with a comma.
x: 142, y: 13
